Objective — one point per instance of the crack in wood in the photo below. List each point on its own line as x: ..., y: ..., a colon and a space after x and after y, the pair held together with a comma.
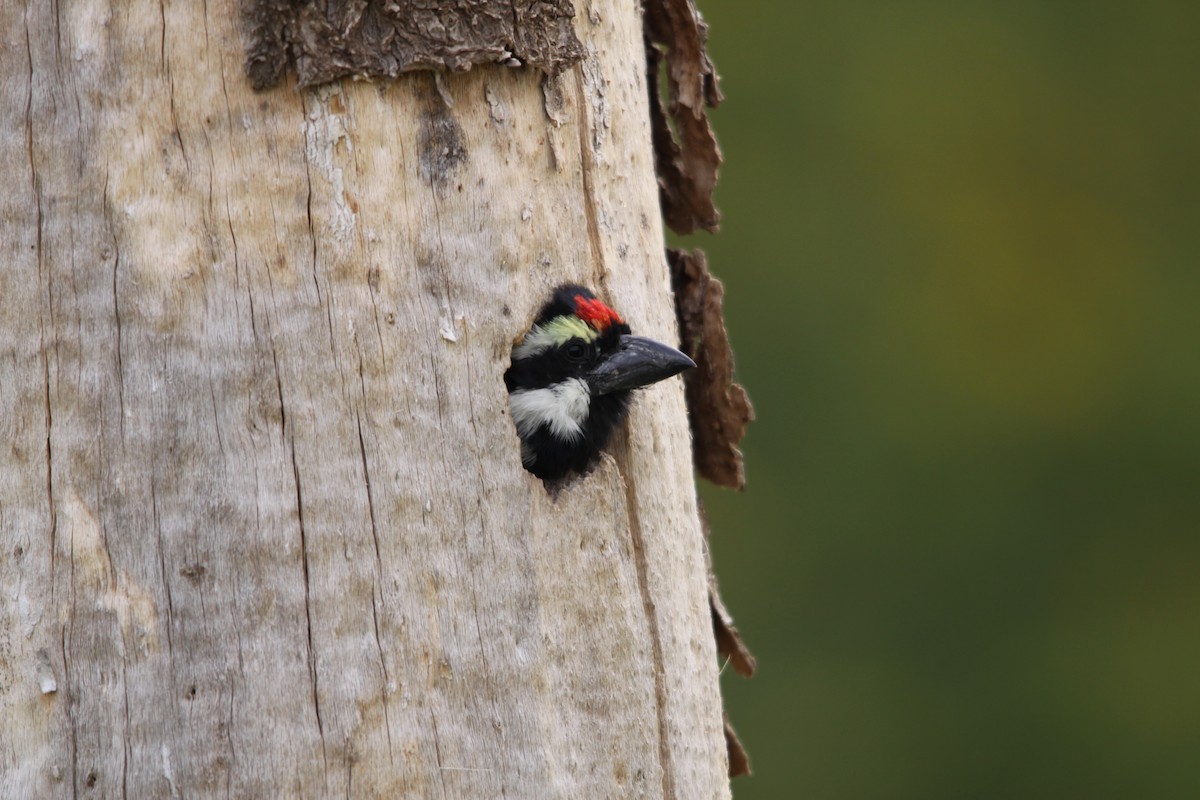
x: 383, y: 689
x: 312, y: 655
x: 587, y: 166
x: 660, y: 687
x: 362, y: 449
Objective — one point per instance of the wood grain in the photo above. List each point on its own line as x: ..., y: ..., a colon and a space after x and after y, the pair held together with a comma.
x: 264, y: 528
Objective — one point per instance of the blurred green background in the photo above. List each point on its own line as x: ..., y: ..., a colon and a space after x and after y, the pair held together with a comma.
x: 960, y: 246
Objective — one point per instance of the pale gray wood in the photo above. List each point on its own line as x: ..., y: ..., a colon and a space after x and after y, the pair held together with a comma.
x: 263, y: 525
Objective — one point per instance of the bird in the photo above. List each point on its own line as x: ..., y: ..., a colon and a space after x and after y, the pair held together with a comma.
x: 572, y: 379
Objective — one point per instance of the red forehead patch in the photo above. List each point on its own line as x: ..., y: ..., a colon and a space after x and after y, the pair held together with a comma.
x: 595, y: 313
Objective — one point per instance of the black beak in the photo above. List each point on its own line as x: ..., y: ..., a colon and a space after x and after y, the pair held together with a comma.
x: 638, y: 362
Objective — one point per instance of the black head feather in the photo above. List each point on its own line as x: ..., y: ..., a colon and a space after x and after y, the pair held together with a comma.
x: 564, y: 398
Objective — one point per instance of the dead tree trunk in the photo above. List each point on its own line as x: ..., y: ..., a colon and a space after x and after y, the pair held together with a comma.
x: 264, y: 528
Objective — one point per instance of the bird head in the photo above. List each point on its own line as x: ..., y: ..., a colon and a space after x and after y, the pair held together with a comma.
x: 572, y: 377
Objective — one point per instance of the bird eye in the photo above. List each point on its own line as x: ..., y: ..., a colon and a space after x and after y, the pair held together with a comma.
x: 577, y: 351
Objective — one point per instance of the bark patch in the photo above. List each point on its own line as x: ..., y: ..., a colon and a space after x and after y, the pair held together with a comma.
x: 688, y: 156
x: 730, y: 646
x: 729, y: 641
x: 442, y: 147
x: 330, y: 39
x: 739, y: 759
x: 719, y: 409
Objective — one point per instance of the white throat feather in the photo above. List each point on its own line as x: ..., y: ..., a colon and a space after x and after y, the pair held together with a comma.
x: 561, y: 407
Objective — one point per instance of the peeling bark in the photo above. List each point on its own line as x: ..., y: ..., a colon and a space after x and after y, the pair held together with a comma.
x: 729, y: 642
x: 324, y: 41
x: 739, y: 759
x: 688, y: 157
x: 731, y: 648
x: 264, y: 527
x: 718, y: 407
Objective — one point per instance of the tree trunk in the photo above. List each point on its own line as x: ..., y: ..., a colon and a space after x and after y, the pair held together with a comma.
x: 264, y: 528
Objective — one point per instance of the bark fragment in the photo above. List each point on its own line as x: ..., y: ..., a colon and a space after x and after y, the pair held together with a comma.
x: 739, y: 759
x: 688, y: 157
x: 334, y: 39
x: 731, y: 647
x: 719, y: 408
x: 729, y: 641
x: 442, y: 146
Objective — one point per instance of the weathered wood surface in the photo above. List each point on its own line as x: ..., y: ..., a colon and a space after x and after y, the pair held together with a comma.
x: 263, y: 524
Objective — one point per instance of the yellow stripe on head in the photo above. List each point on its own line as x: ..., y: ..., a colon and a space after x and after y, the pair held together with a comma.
x: 554, y: 333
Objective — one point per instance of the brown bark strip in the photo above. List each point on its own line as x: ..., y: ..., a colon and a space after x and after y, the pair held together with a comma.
x: 739, y: 759
x: 688, y: 157
x: 334, y: 39
x: 719, y: 409
x: 687, y: 160
x: 730, y: 647
x: 660, y: 689
x: 729, y: 642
